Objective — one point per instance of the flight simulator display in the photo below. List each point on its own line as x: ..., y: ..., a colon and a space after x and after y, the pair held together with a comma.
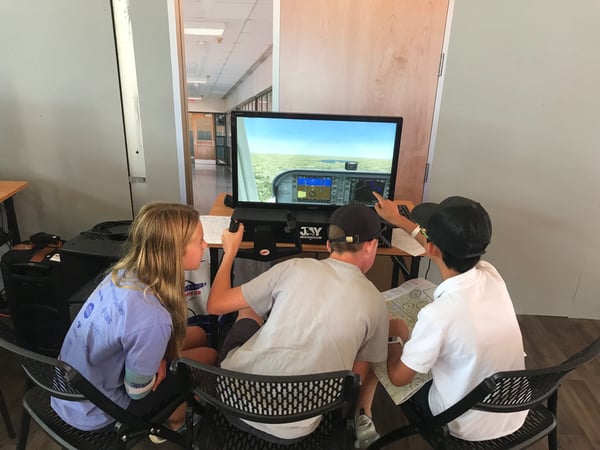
x: 312, y: 161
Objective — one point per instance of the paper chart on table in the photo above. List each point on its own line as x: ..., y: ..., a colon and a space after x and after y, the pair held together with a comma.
x: 405, y: 302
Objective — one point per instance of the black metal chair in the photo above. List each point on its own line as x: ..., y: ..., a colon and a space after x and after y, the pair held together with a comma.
x: 53, y: 378
x: 502, y: 392
x: 213, y: 393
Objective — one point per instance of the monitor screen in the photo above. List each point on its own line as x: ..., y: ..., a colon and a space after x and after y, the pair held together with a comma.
x: 312, y: 161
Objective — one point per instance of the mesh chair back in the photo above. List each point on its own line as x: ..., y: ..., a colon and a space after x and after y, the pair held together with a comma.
x: 269, y: 399
x: 519, y: 390
x: 61, y: 380
x: 502, y: 392
x: 48, y: 373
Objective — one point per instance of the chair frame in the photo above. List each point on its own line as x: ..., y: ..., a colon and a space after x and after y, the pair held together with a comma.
x: 49, y: 377
x: 6, y: 332
x: 7, y: 422
x: 202, y: 386
x: 536, y: 387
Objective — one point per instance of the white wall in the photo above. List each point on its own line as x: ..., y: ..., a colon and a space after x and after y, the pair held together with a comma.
x: 518, y: 131
x: 256, y: 82
x: 60, y: 115
x: 61, y: 125
x: 208, y: 104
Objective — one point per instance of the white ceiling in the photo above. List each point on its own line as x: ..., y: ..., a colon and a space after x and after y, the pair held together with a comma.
x: 223, y: 62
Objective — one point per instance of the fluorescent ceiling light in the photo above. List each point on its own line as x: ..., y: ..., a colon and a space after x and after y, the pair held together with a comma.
x: 204, y: 29
x: 200, y: 81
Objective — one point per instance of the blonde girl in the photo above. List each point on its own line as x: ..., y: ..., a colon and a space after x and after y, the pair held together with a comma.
x: 135, y: 322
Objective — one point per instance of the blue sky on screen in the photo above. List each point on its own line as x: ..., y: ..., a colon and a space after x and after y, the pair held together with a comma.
x: 345, y: 139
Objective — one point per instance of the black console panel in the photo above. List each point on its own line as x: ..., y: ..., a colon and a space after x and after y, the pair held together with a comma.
x: 284, y: 225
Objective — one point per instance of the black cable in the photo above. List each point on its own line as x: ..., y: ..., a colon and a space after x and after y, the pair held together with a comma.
x: 428, y: 267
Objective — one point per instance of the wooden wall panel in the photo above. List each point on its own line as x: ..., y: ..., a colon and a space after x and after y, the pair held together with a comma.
x: 376, y: 57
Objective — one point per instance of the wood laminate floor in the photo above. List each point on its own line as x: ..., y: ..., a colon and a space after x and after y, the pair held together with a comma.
x: 548, y: 341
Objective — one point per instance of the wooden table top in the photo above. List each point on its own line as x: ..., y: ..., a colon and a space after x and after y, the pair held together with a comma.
x: 10, y: 188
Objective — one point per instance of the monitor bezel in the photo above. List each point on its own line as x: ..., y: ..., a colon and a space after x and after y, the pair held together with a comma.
x: 307, y: 116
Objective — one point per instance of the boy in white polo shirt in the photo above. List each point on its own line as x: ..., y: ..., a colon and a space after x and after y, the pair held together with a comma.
x: 470, y: 331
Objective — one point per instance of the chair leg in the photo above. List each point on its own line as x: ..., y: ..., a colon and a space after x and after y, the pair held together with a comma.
x: 24, y: 431
x: 9, y: 427
x: 25, y: 420
x: 553, y: 406
x: 189, y: 428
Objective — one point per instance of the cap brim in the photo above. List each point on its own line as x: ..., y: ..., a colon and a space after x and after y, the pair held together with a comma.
x: 422, y: 212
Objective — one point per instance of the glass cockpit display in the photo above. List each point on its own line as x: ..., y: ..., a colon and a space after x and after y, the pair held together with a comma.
x: 313, y: 160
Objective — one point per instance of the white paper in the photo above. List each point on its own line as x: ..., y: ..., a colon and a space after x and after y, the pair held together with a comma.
x: 405, y: 242
x: 405, y: 302
x: 213, y: 227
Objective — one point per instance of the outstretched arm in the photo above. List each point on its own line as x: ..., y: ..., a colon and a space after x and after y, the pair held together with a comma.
x: 398, y: 372
x: 388, y: 210
x: 223, y: 298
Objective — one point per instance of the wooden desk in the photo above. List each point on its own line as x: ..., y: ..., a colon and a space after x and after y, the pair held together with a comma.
x: 7, y: 190
x: 398, y: 256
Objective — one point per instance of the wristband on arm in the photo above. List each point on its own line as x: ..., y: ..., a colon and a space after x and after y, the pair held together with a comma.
x: 395, y: 340
x: 138, y: 386
x: 415, y: 232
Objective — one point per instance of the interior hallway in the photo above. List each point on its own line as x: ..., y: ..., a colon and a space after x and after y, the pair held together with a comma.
x: 208, y: 180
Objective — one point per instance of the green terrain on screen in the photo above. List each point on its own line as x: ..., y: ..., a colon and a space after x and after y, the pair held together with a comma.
x: 267, y: 166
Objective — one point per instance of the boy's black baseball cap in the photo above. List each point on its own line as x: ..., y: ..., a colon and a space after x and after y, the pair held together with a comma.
x: 360, y: 223
x: 457, y: 225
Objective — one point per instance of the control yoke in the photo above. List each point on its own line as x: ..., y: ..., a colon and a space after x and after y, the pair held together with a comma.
x: 265, y: 244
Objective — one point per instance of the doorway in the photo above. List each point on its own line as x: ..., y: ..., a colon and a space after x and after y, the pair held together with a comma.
x: 211, y: 161
x: 201, y: 133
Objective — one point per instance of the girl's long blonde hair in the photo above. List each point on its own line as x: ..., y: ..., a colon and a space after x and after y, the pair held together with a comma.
x: 153, y: 261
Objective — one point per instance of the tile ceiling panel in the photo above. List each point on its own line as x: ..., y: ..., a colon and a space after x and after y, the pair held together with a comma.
x: 248, y: 34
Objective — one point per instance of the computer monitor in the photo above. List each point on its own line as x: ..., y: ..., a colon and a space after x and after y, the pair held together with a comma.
x: 300, y: 161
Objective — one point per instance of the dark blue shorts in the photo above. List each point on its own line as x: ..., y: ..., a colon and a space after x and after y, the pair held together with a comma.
x: 240, y: 332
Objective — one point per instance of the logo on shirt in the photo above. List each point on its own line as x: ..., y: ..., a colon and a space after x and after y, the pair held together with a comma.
x: 88, y: 310
x: 192, y: 289
x: 106, y: 315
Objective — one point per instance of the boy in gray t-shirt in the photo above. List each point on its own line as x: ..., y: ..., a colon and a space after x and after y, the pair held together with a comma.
x: 324, y: 315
